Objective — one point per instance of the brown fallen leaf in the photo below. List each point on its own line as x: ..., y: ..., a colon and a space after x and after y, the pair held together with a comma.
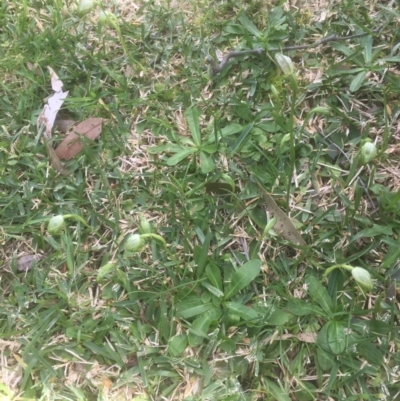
x: 72, y: 144
x: 283, y: 225
x: 55, y: 161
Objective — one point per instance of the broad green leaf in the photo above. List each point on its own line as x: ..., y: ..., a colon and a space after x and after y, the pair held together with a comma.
x: 177, y: 344
x: 325, y: 359
x: 243, y: 311
x: 249, y: 25
x: 371, y: 353
x: 166, y: 147
x: 299, y: 307
x: 192, y: 118
x: 209, y: 148
x: 319, y: 294
x: 206, y: 163
x: 243, y: 277
x: 234, y: 29
x: 277, y: 318
x: 214, y: 275
x: 357, y: 81
x: 231, y: 129
x: 243, y: 138
x: 178, y: 157
x: 215, y: 291
x: 191, y: 308
x: 374, y: 231
x: 201, y: 255
x: 198, y: 330
x: 332, y: 338
x: 367, y: 41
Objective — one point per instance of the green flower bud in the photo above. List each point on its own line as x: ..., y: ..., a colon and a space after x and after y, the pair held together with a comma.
x: 363, y: 278
x: 107, y: 18
x: 145, y: 226
x: 368, y: 152
x: 56, y: 225
x: 84, y: 7
x: 274, y: 91
x: 134, y: 243
x: 105, y: 269
x: 285, y: 63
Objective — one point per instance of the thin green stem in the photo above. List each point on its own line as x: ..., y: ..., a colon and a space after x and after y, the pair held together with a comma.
x: 330, y: 269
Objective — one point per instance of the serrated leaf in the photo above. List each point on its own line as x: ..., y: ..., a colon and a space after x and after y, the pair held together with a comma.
x: 243, y: 277
x: 249, y: 25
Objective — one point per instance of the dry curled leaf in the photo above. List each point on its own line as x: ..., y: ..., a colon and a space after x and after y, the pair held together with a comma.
x: 283, y: 225
x: 48, y: 116
x: 56, y: 82
x: 72, y: 144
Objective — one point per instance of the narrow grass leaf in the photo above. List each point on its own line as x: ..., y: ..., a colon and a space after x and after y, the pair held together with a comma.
x: 276, y: 391
x: 243, y: 277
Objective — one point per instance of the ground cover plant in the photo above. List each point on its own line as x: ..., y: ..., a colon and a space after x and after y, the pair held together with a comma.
x: 233, y: 231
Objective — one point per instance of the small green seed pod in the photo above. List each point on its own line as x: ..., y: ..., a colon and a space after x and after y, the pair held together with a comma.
x: 134, y: 243
x: 56, y: 225
x: 363, y: 278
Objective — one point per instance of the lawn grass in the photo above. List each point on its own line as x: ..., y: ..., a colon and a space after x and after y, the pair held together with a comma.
x: 219, y: 301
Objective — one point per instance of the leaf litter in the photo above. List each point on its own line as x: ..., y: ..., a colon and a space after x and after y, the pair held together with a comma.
x: 72, y: 143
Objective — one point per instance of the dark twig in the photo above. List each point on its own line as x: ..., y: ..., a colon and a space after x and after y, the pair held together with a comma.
x: 216, y: 69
